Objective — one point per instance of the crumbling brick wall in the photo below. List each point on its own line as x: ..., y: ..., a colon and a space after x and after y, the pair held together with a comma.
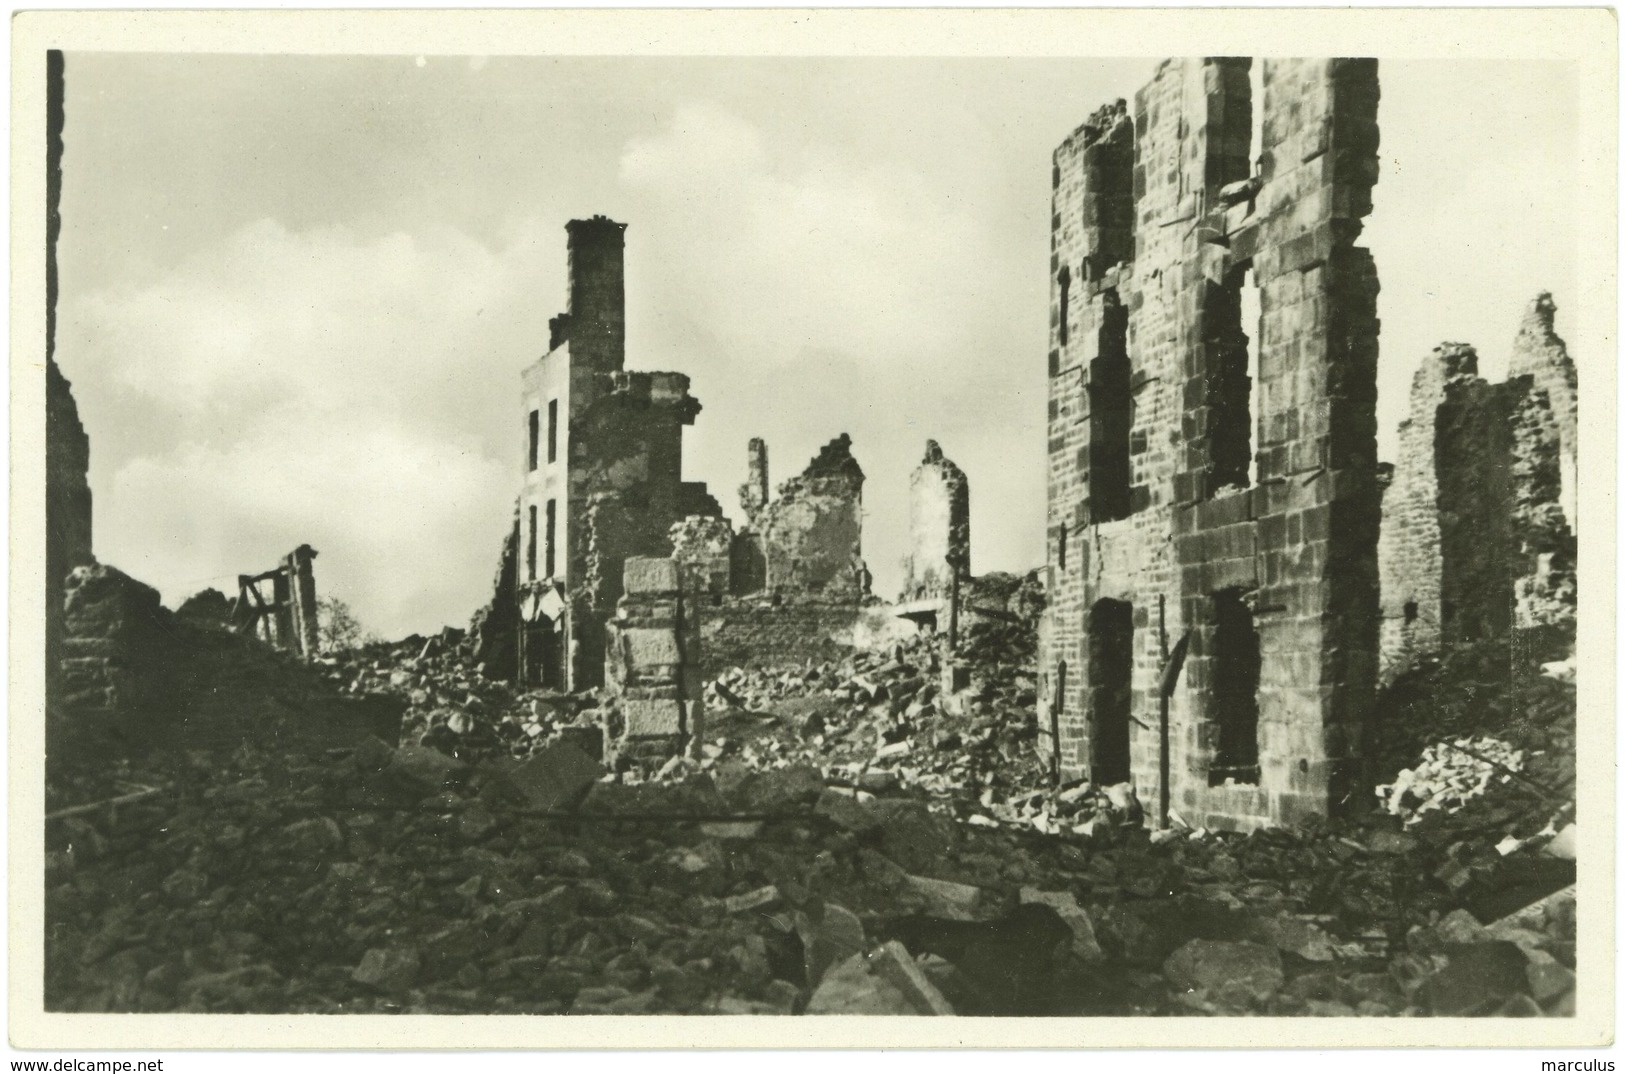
x: 1246, y: 518
x: 654, y: 662
x: 939, y: 527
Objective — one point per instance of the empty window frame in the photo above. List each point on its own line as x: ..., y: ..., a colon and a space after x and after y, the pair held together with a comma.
x: 1063, y: 285
x: 535, y: 434
x: 552, y: 518
x: 1111, y: 415
x: 552, y: 430
x: 530, y: 547
x: 1111, y: 690
x: 1229, y: 375
x: 1233, y: 677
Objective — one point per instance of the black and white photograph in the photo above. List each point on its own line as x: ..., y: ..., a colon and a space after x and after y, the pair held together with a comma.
x: 601, y: 526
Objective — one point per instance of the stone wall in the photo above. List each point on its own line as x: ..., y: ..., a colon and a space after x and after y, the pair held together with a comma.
x: 67, y: 446
x: 136, y: 677
x: 1476, y: 540
x: 744, y: 633
x: 653, y: 664
x: 811, y: 534
x: 1540, y: 353
x: 702, y: 545
x: 493, y: 631
x: 939, y: 527
x: 1246, y: 518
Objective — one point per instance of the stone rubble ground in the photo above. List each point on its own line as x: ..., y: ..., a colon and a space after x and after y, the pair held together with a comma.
x: 895, y: 858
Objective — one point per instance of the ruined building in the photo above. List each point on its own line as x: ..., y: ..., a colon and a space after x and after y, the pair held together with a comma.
x: 603, y: 470
x: 796, y: 581
x: 1213, y: 496
x: 1477, y: 520
x: 809, y: 538
x: 603, y: 483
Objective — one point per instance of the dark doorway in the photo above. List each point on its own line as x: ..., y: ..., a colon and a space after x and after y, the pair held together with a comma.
x: 1111, y: 689
x: 543, y: 654
x: 1233, y: 697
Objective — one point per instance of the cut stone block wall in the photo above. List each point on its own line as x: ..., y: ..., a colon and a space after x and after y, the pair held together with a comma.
x: 1258, y: 498
x: 1540, y: 353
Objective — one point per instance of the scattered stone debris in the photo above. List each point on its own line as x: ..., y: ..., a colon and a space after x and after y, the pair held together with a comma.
x: 475, y: 866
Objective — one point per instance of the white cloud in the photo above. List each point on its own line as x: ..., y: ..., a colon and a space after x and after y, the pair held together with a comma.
x: 359, y: 394
x: 785, y: 244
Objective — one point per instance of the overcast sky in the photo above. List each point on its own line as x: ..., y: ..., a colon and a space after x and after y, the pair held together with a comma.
x: 297, y: 292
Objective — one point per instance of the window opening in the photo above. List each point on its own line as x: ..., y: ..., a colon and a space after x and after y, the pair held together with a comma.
x: 1111, y: 686
x: 552, y: 512
x: 1233, y: 698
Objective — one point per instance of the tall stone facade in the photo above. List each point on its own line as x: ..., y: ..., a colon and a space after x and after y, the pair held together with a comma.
x: 603, y: 469
x: 1476, y: 537
x: 939, y: 527
x: 1211, y: 634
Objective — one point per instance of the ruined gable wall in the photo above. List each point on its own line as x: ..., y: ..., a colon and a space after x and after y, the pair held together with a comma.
x: 812, y: 532
x: 1476, y: 540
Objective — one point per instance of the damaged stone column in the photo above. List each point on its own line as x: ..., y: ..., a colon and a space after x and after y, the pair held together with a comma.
x: 1539, y: 352
x: 652, y: 665
x: 939, y: 527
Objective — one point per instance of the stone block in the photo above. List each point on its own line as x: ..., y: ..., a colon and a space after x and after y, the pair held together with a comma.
x: 644, y: 576
x: 650, y: 718
x: 556, y: 778
x: 649, y: 647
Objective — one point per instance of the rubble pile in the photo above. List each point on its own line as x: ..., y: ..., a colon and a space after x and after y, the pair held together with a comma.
x: 848, y: 837
x: 380, y: 879
x: 1449, y: 776
x: 880, y: 720
x: 448, y: 703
